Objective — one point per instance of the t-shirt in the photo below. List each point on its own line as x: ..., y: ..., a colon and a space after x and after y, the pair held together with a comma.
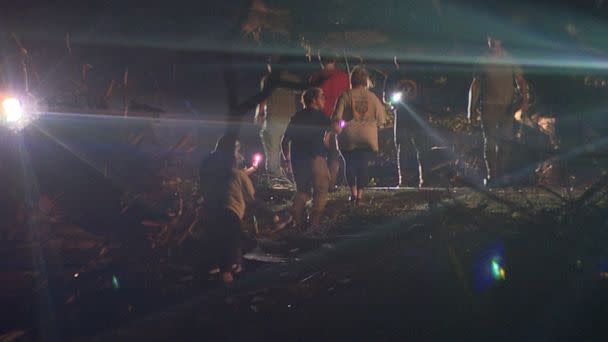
x: 282, y: 101
x: 306, y: 131
x: 232, y: 191
x: 497, y: 77
x: 362, y: 112
x: 334, y: 83
x: 240, y: 192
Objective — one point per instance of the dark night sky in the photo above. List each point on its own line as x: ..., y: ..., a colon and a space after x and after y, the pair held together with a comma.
x: 148, y: 38
x: 114, y: 36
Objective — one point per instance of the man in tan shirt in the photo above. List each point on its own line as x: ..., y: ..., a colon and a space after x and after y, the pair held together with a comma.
x: 275, y: 111
x: 493, y: 87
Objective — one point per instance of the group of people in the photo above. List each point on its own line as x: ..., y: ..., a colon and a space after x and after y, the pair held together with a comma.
x: 310, y: 141
x: 311, y: 134
x: 274, y: 113
x: 338, y: 123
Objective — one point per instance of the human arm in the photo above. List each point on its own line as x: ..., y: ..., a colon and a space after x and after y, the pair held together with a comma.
x: 260, y: 113
x: 473, y: 99
x: 260, y: 109
x: 247, y: 188
x: 380, y: 112
x: 286, y: 142
x: 317, y: 79
x: 285, y: 79
x: 337, y: 115
x: 250, y: 170
x: 286, y: 154
x: 328, y: 134
x: 522, y: 85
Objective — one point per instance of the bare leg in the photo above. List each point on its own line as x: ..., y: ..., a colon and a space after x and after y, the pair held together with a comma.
x: 489, y: 123
x: 298, y: 208
x: 359, y: 194
x: 334, y: 167
x: 333, y: 162
x: 320, y: 181
x: 353, y: 191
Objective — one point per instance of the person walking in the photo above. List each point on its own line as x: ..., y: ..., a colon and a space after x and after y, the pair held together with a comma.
x: 305, y: 146
x: 356, y: 118
x: 274, y: 112
x: 492, y: 96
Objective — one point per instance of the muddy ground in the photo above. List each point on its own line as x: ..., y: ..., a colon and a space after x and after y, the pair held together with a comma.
x: 509, y: 264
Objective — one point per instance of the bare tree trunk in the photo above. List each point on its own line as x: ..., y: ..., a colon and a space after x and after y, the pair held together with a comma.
x: 68, y: 43
x: 125, y: 85
x: 24, y: 68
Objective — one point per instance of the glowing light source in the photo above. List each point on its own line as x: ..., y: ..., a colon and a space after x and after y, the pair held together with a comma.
x: 257, y: 158
x: 12, y: 110
x: 396, y: 97
x: 342, y: 123
x: 498, y: 273
x: 115, y: 282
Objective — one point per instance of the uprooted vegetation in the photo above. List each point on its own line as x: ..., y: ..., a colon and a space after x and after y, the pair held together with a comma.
x: 413, y: 256
x: 162, y: 256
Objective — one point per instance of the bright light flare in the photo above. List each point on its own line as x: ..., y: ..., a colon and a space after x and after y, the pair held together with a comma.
x: 498, y: 273
x: 257, y: 158
x: 342, y: 123
x: 396, y: 97
x: 13, y: 110
x: 115, y: 282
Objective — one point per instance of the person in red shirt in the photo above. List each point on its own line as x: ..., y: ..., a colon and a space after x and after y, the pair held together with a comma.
x: 333, y: 82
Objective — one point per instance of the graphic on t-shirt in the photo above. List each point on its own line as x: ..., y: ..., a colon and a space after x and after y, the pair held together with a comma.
x: 361, y: 106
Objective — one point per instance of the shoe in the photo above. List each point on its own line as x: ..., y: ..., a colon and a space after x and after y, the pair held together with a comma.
x: 491, y: 183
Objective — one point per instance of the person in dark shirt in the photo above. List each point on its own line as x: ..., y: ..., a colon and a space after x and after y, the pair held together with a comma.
x: 305, y: 145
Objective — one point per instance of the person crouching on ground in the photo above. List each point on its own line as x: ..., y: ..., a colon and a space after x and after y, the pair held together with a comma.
x: 304, y: 144
x: 356, y: 118
x: 226, y: 192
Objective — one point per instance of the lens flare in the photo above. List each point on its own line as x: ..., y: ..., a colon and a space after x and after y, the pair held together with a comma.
x: 115, y: 282
x: 12, y: 109
x: 342, y: 123
x: 396, y: 97
x: 498, y: 273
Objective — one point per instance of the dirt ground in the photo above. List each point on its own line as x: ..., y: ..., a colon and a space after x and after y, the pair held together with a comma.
x: 399, y: 268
